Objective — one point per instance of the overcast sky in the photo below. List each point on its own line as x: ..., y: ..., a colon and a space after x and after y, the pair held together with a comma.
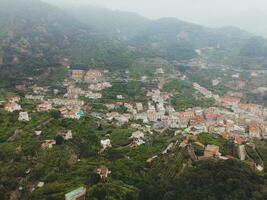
x: 246, y: 14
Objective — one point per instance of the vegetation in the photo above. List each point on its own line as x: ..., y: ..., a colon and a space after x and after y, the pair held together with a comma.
x: 213, y: 180
x: 34, y: 39
x: 184, y: 95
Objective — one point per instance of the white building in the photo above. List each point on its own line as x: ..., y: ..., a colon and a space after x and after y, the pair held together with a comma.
x: 105, y: 144
x: 23, y: 116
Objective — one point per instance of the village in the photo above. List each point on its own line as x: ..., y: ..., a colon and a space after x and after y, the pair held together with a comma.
x: 229, y: 118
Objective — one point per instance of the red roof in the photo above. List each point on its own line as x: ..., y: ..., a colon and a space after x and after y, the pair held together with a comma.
x: 239, y: 140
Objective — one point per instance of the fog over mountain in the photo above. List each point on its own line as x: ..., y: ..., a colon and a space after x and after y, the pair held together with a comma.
x: 245, y: 14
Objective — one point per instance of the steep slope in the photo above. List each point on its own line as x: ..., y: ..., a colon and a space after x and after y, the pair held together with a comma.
x: 34, y: 30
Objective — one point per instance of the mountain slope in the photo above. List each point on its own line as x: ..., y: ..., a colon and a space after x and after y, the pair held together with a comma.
x: 34, y: 30
x: 169, y: 38
x: 108, y: 21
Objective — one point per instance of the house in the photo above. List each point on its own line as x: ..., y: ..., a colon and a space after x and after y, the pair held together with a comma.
x: 77, y: 194
x: 187, y: 114
x: 254, y: 74
x: 159, y: 127
x: 226, y: 135
x: 105, y: 144
x: 135, y: 126
x: 15, y: 99
x: 215, y: 82
x: 159, y: 71
x: 138, y: 135
x: 12, y: 106
x: 38, y: 133
x: 128, y: 106
x: 218, y: 128
x: 67, y: 135
x: 92, y: 95
x: 103, y: 172
x: 184, y: 143
x: 112, y: 115
x: 259, y: 167
x: 183, y: 122
x: 238, y: 140
x: 47, y: 144
x: 34, y: 97
x: 63, y: 110
x: 73, y: 92
x: 23, y: 116
x: 211, y: 151
x: 139, y: 107
x: 236, y: 75
x: 197, y: 120
x: 197, y: 129
x: 141, y: 116
x: 77, y: 75
x: 254, y: 130
x: 229, y: 101
x: 160, y: 108
x: 173, y: 120
x: 152, y: 115
x: 137, y: 142
x: 137, y: 138
x: 44, y: 106
x: 120, y: 97
x: 170, y: 109
x: 250, y: 107
x: 40, y: 184
x: 100, y: 86
x: 210, y: 116
x: 123, y: 119
x: 66, y: 102
x: 93, y: 76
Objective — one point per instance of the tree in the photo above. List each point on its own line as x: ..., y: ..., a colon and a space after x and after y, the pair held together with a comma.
x: 59, y: 140
x: 55, y: 114
x: 94, y: 178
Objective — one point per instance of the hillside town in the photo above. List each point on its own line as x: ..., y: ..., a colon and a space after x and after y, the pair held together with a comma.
x: 229, y: 117
x: 151, y: 115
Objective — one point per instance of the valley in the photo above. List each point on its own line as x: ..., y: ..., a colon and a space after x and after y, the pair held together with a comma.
x: 152, y: 109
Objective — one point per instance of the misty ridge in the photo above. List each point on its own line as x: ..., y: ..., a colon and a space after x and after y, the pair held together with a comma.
x: 244, y: 14
x: 49, y: 33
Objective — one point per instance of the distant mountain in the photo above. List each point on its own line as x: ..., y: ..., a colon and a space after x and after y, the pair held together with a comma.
x: 35, y: 33
x: 250, y: 20
x: 108, y: 21
x: 169, y: 37
x: 35, y: 30
x: 133, y: 26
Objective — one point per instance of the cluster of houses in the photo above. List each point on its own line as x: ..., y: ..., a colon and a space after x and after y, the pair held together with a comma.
x: 93, y: 77
x: 69, y: 108
x: 12, y: 105
x: 90, y: 76
x: 230, y: 118
x: 205, y: 92
x: 65, y: 134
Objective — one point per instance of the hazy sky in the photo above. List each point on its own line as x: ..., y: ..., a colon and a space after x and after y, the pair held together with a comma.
x: 241, y: 13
